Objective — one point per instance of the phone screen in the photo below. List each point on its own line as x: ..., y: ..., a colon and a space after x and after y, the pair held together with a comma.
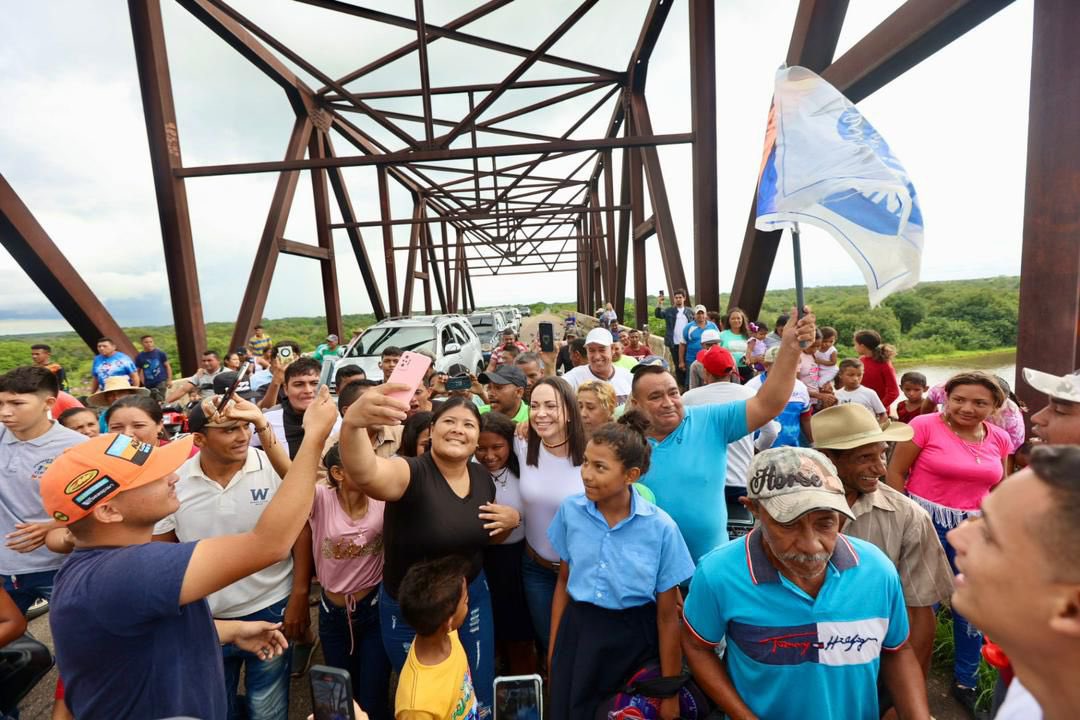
x: 547, y: 337
x: 409, y: 371
x: 518, y: 698
x: 331, y: 693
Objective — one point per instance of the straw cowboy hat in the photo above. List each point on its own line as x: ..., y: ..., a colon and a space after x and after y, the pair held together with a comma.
x: 118, y: 383
x: 843, y: 427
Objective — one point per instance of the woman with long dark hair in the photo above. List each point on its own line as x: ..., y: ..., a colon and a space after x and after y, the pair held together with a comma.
x: 438, y: 504
x: 550, y: 459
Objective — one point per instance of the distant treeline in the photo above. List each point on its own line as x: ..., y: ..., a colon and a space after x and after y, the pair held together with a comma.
x: 934, y: 319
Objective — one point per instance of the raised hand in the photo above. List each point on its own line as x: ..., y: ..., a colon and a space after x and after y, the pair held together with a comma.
x: 374, y: 408
x: 321, y: 415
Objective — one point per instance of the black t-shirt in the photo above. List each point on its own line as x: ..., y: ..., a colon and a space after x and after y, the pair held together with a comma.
x: 430, y: 521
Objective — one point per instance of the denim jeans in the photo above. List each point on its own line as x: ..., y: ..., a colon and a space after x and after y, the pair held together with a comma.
x: 266, y: 683
x: 966, y: 639
x: 368, y: 666
x: 539, y: 589
x: 26, y: 589
x: 477, y: 636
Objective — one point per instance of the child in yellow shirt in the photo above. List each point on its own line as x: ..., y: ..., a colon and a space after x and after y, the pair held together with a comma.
x: 435, y: 682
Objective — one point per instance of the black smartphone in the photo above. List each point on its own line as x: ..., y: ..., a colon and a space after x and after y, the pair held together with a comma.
x: 519, y: 697
x: 459, y: 382
x: 331, y: 693
x: 547, y: 337
x: 240, y: 374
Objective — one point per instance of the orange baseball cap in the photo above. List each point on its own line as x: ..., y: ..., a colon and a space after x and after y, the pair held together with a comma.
x: 91, y: 472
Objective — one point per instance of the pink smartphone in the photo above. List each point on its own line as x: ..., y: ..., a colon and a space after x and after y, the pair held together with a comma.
x: 409, y: 371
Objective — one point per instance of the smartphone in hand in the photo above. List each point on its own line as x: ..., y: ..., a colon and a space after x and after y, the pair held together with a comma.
x: 331, y: 693
x: 547, y: 337
x: 409, y: 371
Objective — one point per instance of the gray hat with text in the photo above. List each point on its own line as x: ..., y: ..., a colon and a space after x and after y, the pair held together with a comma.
x: 790, y: 482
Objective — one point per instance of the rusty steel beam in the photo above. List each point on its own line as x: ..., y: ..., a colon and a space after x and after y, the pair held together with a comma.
x: 1050, y: 259
x: 451, y: 34
x: 813, y: 43
x: 703, y: 125
x: 319, y: 147
x: 467, y: 216
x: 159, y: 113
x: 474, y: 87
x: 425, y: 84
x: 400, y: 158
x: 914, y: 32
x: 623, y: 249
x: 299, y: 249
x: 654, y: 178
x: 35, y: 252
x: 637, y: 216
x: 388, y: 243
x: 266, y: 255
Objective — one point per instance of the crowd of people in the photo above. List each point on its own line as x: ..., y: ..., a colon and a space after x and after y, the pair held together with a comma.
x: 564, y: 513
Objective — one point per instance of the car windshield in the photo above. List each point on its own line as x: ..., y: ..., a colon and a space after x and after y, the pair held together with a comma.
x: 407, y: 338
x: 481, y: 321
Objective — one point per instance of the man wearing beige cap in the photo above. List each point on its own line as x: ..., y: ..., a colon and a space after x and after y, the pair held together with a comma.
x: 809, y: 616
x: 850, y: 436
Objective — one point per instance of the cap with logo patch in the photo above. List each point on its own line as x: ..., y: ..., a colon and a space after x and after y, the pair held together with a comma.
x: 790, y: 482
x: 91, y: 472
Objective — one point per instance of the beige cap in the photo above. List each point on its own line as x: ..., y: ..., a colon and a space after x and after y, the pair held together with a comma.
x: 790, y: 482
x: 1059, y: 387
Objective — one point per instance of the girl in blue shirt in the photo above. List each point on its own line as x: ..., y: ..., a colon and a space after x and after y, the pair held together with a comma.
x: 616, y: 604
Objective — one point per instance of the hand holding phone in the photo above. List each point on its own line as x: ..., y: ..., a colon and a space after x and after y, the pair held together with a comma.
x: 331, y: 693
x: 409, y: 371
x: 519, y: 696
x: 547, y: 337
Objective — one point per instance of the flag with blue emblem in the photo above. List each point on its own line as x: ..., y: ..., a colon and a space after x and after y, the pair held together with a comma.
x: 825, y: 165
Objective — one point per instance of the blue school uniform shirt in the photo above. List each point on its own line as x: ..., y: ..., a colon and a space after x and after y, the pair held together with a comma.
x: 624, y: 566
x: 128, y: 648
x: 153, y: 366
x: 692, y: 338
x: 688, y: 469
x: 780, y: 639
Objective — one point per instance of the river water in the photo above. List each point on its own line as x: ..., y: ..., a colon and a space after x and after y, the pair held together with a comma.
x: 999, y: 363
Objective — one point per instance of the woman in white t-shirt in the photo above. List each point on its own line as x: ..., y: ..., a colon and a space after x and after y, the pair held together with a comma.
x: 550, y: 461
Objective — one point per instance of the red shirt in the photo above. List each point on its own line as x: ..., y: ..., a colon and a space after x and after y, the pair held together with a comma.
x: 639, y: 352
x: 881, y: 378
x: 64, y: 401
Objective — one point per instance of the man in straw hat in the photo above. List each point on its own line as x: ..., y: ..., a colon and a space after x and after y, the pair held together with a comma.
x: 142, y: 604
x: 850, y: 436
x: 809, y: 615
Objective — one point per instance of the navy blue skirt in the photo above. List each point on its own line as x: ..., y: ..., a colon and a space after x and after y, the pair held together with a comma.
x: 596, y: 651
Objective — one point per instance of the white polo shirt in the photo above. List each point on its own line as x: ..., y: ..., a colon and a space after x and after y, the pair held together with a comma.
x: 209, y: 510
x: 620, y: 382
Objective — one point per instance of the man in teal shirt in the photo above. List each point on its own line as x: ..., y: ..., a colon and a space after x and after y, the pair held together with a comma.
x: 506, y: 388
x: 689, y: 445
x: 330, y: 348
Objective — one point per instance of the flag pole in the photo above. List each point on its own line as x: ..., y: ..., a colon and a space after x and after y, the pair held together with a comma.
x: 800, y: 302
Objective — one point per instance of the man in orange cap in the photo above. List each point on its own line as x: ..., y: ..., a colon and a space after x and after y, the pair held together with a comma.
x: 141, y: 605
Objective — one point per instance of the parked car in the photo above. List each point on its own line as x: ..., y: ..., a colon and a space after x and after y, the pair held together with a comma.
x: 450, y: 338
x: 525, y: 311
x: 488, y: 325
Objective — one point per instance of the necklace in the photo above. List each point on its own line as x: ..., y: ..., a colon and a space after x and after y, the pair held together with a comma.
x: 500, y: 477
x: 967, y: 443
x: 550, y: 446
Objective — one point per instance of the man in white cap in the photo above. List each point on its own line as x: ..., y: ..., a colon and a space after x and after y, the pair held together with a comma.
x: 849, y: 435
x: 600, y: 367
x: 1059, y: 422
x: 696, y: 377
x: 692, y: 337
x: 800, y: 606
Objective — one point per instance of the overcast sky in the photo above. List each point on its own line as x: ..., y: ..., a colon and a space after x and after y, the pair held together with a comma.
x: 73, y: 143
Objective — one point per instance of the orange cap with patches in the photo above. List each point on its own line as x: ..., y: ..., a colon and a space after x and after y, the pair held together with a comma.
x: 91, y: 472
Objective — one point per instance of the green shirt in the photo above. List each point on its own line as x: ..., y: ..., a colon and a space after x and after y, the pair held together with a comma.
x: 324, y: 351
x: 522, y: 413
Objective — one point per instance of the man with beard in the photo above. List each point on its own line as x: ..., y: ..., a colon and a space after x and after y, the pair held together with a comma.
x: 534, y: 368
x: 287, y: 419
x: 800, y: 606
x: 849, y: 435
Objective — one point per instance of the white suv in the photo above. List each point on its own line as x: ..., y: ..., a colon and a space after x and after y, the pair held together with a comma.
x: 449, y: 338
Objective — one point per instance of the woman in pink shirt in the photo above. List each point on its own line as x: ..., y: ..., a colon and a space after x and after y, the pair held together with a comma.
x: 346, y: 529
x: 953, y: 461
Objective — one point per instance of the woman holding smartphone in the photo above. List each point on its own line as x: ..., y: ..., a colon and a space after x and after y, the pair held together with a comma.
x: 437, y: 504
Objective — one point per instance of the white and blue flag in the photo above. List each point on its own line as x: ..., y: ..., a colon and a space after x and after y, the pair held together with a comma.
x: 825, y: 165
